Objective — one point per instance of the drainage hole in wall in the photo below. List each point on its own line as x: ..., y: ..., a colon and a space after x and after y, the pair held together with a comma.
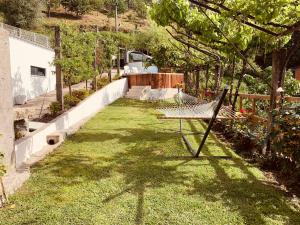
x: 51, y: 142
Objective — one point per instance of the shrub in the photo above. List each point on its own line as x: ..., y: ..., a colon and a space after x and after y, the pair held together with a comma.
x: 81, y: 94
x: 79, y: 7
x: 70, y: 101
x: 22, y: 13
x: 55, y: 108
x: 286, y: 134
x: 103, y: 81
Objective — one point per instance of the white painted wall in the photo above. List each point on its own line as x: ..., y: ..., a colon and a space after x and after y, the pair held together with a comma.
x: 35, y: 142
x: 23, y: 55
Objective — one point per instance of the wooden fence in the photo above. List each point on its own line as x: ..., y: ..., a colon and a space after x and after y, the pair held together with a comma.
x: 256, y: 97
x: 156, y: 81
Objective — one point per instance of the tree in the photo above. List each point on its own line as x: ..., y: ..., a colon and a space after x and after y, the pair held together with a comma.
x: 235, y: 26
x: 22, y: 13
x: 50, y: 4
x: 79, y: 7
x: 77, y: 56
x: 98, y: 5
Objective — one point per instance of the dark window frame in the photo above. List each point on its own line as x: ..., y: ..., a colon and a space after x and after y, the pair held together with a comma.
x: 38, y: 71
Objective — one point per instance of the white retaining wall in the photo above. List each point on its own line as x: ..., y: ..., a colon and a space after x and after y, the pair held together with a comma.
x: 35, y: 142
x: 23, y: 55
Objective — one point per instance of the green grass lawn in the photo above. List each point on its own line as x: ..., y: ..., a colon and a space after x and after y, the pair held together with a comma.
x: 127, y: 167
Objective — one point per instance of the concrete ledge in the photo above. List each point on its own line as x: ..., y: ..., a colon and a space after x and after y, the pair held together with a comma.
x: 70, y: 121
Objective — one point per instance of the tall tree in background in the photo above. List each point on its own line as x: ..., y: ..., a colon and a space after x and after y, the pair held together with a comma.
x: 51, y: 4
x: 22, y: 13
x: 77, y: 56
x: 79, y: 7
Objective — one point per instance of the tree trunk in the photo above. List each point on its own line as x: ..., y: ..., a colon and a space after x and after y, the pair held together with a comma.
x: 70, y: 89
x: 49, y: 11
x: 109, y: 76
x: 86, y: 85
x: 217, y: 77
x: 206, y: 77
x: 278, y: 71
x: 59, y: 75
x: 239, y: 84
x: 232, y: 81
x: 197, y: 82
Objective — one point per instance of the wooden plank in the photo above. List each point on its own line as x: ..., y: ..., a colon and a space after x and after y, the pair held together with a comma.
x: 267, y: 97
x: 254, y: 106
x: 241, y: 102
x: 156, y: 81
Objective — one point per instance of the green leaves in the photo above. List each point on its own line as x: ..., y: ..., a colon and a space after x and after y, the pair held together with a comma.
x: 78, y: 55
x: 228, y: 21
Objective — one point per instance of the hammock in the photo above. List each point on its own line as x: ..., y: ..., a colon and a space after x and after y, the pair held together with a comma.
x: 188, y: 107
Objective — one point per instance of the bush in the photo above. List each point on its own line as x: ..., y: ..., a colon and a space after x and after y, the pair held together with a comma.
x: 286, y: 134
x: 55, y: 108
x: 101, y: 83
x: 81, y: 94
x: 70, y: 101
x: 79, y: 7
x: 22, y: 13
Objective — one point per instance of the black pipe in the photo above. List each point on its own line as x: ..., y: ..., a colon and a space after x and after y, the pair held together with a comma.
x: 211, y: 122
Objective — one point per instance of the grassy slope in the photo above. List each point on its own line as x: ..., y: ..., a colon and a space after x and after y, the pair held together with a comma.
x: 128, y: 21
x: 126, y: 167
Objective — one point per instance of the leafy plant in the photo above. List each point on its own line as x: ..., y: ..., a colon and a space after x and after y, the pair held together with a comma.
x: 78, y: 55
x: 286, y: 133
x: 81, y: 94
x: 102, y: 82
x: 22, y: 13
x: 55, y: 108
x: 70, y: 101
x: 79, y: 7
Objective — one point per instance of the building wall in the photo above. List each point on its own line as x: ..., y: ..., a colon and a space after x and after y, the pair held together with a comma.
x: 6, y: 106
x: 23, y: 55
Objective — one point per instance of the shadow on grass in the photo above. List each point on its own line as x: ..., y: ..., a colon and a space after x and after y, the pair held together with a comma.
x: 148, y: 158
x: 250, y: 197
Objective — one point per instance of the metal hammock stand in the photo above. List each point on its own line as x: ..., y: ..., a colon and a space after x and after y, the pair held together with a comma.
x: 189, y: 108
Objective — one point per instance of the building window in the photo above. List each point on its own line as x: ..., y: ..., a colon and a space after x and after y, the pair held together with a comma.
x: 37, y: 71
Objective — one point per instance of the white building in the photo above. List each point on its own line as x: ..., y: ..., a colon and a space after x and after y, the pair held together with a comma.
x: 138, y: 62
x: 31, y: 59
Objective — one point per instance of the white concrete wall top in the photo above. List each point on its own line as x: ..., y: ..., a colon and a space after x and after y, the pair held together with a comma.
x: 23, y: 55
x: 35, y: 142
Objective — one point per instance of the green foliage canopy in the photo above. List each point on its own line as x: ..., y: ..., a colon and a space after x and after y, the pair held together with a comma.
x: 22, y: 13
x: 78, y: 55
x: 228, y: 21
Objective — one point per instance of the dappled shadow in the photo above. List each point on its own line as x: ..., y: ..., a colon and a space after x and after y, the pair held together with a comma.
x: 148, y: 156
x: 64, y: 15
x: 249, y: 196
